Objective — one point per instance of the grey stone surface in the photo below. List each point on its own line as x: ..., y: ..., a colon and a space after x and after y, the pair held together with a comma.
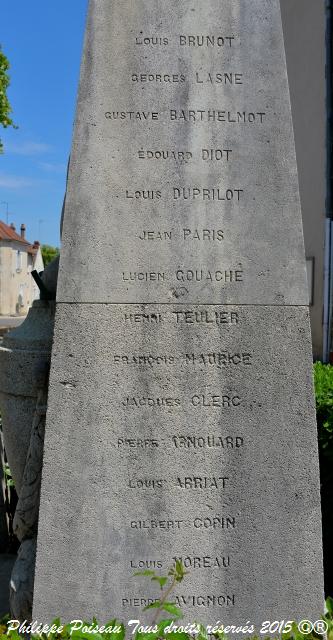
x: 181, y: 417
x: 22, y: 581
x: 24, y: 360
x: 257, y: 363
x: 24, y: 368
x: 25, y: 523
x: 3, y: 518
x: 6, y: 565
x: 262, y: 231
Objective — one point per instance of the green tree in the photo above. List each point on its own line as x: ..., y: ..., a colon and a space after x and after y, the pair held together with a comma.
x: 5, y: 108
x: 49, y: 253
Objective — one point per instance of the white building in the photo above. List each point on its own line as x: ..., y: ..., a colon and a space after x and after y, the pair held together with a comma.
x: 18, y: 258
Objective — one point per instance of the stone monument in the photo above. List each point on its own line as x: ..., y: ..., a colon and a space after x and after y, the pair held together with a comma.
x: 24, y: 365
x: 181, y: 419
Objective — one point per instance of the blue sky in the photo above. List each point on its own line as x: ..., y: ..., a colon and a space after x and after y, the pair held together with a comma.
x: 43, y: 41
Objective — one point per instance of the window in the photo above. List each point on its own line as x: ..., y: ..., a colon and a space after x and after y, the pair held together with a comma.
x: 18, y: 260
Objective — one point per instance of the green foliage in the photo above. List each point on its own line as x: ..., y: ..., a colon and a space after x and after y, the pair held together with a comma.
x: 163, y: 630
x: 5, y: 108
x: 175, y: 575
x: 323, y: 377
x: 49, y: 253
x: 8, y: 476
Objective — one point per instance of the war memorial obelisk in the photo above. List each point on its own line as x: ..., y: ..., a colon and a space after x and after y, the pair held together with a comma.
x: 181, y: 419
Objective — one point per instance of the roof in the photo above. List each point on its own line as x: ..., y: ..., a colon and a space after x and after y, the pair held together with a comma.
x: 33, y: 249
x: 7, y: 233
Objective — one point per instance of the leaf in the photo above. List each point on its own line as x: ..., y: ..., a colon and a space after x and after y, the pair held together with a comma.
x: 85, y: 634
x: 66, y: 632
x: 329, y: 605
x: 13, y: 635
x: 172, y: 608
x: 221, y: 635
x: 179, y: 566
x: 202, y: 635
x: 161, y: 580
x: 162, y: 624
x: 144, y: 573
x: 153, y: 605
x: 55, y: 623
x: 113, y: 635
x: 146, y: 636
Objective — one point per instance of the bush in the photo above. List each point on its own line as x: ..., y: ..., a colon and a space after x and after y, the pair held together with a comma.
x: 323, y: 377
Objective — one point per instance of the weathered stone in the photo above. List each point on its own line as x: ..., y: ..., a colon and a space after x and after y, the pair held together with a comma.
x: 181, y: 418
x: 6, y: 565
x: 22, y: 581
x: 26, y: 515
x: 24, y: 357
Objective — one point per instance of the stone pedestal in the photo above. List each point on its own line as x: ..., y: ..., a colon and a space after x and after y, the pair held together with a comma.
x: 181, y: 419
x: 24, y: 359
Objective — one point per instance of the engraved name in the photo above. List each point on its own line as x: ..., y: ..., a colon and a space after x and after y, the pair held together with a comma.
x: 219, y: 359
x: 193, y: 601
x: 210, y: 235
x: 223, y: 78
x: 146, y: 564
x: 151, y: 40
x: 185, y: 156
x: 145, y: 360
x: 191, y: 115
x: 186, y: 41
x: 184, y: 442
x: 165, y: 154
x: 207, y: 442
x: 138, y: 116
x: 226, y: 276
x: 188, y: 482
x: 206, y: 317
x: 217, y: 115
x: 143, y: 318
x: 204, y: 562
x: 215, y: 522
x: 197, y: 482
x: 146, y: 483
x: 206, y: 601
x: 218, y: 78
x: 167, y: 525
x: 137, y: 443
x: 143, y: 276
x: 216, y: 400
x: 202, y: 275
x: 189, y: 562
x: 210, y: 400
x: 137, y: 602
x: 208, y: 522
x: 205, y: 194
x: 139, y: 402
x: 206, y: 41
x: 159, y: 77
